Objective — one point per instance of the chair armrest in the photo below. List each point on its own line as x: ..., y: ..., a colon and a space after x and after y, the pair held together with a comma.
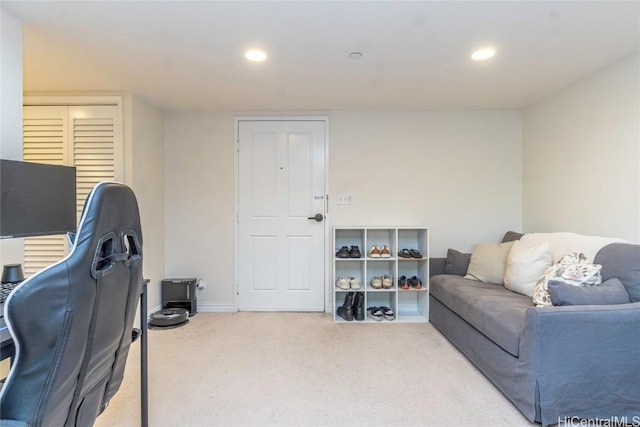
x: 585, y: 359
x: 13, y: 423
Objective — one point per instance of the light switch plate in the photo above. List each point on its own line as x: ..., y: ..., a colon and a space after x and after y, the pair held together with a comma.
x: 345, y: 199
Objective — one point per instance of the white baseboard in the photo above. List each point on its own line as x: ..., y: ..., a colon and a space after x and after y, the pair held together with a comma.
x: 204, y: 308
x: 217, y: 308
x: 154, y: 309
x: 136, y: 323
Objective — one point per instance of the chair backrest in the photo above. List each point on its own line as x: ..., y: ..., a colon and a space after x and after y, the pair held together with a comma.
x: 72, y: 322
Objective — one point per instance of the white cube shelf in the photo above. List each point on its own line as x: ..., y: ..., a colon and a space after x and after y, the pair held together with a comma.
x: 410, y: 305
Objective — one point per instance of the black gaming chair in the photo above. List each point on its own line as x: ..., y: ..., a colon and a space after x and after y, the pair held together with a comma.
x: 72, y: 322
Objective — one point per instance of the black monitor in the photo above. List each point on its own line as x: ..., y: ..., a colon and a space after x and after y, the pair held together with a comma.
x: 36, y: 199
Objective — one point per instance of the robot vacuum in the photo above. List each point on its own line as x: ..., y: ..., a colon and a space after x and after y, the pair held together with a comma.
x: 168, y: 318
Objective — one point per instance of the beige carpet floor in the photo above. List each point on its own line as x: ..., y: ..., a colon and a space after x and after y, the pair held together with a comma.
x: 301, y: 369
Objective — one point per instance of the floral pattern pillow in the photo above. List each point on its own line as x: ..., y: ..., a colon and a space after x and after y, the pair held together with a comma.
x: 573, y: 269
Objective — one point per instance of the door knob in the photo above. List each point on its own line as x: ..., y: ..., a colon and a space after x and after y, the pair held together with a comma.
x: 318, y: 217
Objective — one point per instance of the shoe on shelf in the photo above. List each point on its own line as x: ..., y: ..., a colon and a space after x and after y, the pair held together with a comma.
x: 354, y: 252
x: 387, y: 281
x: 412, y: 281
x: 410, y: 253
x: 404, y: 253
x: 387, y: 313
x: 358, y: 306
x: 343, y: 252
x: 346, y: 309
x: 402, y: 283
x: 343, y: 283
x: 385, y: 252
x: 374, y: 252
x: 375, y: 313
x: 415, y: 282
x: 354, y: 283
x: 376, y: 282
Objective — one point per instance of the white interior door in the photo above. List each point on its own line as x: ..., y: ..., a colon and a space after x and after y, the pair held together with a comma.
x: 281, y: 185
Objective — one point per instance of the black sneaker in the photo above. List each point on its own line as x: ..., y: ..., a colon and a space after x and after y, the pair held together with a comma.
x: 343, y: 252
x: 354, y: 252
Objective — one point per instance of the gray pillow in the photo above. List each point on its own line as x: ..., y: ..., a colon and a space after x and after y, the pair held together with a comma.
x: 510, y: 236
x: 621, y: 260
x: 457, y: 262
x: 610, y: 292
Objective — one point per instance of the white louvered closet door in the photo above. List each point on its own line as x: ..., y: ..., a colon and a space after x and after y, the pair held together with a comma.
x: 87, y: 137
x: 45, y: 132
x: 94, y: 130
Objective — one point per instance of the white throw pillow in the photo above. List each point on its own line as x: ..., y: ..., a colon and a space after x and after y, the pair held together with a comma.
x: 489, y: 262
x: 525, y: 266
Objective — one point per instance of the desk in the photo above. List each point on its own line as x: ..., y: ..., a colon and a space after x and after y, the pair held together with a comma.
x: 7, y: 349
x: 4, y: 332
x: 6, y: 342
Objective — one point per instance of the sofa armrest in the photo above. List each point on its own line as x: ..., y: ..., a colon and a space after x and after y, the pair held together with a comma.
x: 436, y: 266
x: 585, y: 360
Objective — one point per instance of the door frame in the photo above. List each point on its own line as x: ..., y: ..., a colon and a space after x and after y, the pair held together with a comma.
x: 236, y: 178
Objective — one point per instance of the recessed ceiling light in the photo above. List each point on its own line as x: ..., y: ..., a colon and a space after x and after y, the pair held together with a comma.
x: 482, y: 54
x: 355, y: 55
x: 255, y: 55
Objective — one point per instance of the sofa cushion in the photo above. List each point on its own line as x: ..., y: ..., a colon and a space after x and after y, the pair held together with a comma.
x: 621, y: 260
x: 525, y: 266
x: 457, y: 262
x: 608, y: 292
x: 493, y: 310
x: 562, y: 243
x: 489, y: 262
x: 511, y: 236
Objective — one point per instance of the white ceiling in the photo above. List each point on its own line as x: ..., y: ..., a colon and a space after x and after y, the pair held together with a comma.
x: 189, y: 54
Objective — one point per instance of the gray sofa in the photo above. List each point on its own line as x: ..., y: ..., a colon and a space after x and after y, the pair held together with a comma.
x: 553, y: 363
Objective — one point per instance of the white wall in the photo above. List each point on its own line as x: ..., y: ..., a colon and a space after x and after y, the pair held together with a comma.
x: 199, y: 202
x: 11, y: 250
x: 581, y: 156
x: 457, y: 172
x: 147, y: 180
x: 10, y: 86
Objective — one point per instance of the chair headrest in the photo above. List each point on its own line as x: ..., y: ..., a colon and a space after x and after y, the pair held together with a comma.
x: 109, y: 228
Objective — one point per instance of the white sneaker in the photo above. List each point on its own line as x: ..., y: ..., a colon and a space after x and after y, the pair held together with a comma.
x: 388, y: 313
x: 387, y: 281
x: 376, y: 282
x: 374, y: 252
x: 354, y: 282
x: 343, y: 283
x: 374, y: 313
